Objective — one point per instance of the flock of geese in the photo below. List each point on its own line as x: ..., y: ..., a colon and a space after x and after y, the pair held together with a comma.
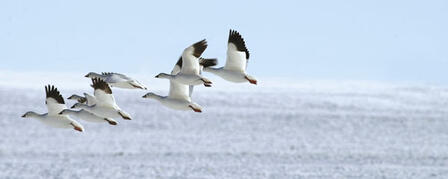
x: 187, y: 73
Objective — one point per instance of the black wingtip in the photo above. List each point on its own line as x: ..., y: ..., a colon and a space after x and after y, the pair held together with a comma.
x: 208, y: 62
x: 107, y: 73
x: 52, y: 92
x: 236, y: 38
x: 82, y: 100
x: 199, y: 48
x: 101, y: 84
x: 179, y: 62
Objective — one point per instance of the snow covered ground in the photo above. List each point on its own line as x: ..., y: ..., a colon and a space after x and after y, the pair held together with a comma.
x: 338, y: 130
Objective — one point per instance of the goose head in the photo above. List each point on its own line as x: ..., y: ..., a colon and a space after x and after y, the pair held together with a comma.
x: 163, y: 75
x: 77, y: 98
x: 74, y: 97
x: 76, y: 106
x: 29, y: 114
x: 65, y: 112
x: 149, y: 95
x: 92, y: 75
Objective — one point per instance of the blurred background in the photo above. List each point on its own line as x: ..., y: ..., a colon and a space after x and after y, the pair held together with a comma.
x: 346, y: 89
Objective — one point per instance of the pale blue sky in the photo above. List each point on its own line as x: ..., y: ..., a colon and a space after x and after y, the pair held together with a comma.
x: 356, y: 40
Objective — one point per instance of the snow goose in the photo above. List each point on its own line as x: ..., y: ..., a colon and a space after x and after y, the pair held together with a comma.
x: 87, y: 99
x: 117, y: 80
x: 237, y: 57
x: 105, y: 102
x: 55, y: 104
x: 87, y: 116
x: 179, y: 96
x: 189, y: 73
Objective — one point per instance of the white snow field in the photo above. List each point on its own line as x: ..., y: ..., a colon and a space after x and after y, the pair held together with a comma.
x: 339, y: 130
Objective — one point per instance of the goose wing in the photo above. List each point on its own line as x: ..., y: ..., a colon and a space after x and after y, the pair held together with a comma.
x: 116, y: 77
x: 207, y: 62
x: 237, y: 53
x: 190, y: 57
x: 177, y: 90
x: 54, y: 101
x: 102, y: 93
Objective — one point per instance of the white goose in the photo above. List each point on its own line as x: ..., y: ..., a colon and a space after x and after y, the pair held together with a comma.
x: 117, y: 80
x: 179, y: 96
x: 55, y: 104
x: 189, y: 73
x: 105, y: 102
x: 87, y: 99
x: 87, y: 116
x: 236, y: 63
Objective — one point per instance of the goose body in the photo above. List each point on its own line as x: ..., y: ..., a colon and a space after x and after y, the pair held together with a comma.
x: 105, y: 102
x: 175, y: 103
x: 236, y: 63
x: 231, y: 75
x: 55, y: 104
x: 189, y: 74
x: 117, y: 80
x: 103, y: 111
x: 55, y: 121
x: 87, y: 116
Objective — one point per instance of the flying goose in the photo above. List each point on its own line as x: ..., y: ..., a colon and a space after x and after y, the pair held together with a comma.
x: 87, y: 99
x: 189, y: 73
x: 117, y: 80
x: 237, y: 57
x: 55, y: 104
x: 179, y: 96
x: 105, y: 102
x: 87, y: 116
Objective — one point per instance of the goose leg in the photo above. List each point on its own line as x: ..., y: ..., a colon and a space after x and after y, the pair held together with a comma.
x: 251, y: 81
x: 124, y: 116
x: 207, y: 83
x: 111, y: 122
x: 195, y: 109
x: 76, y: 127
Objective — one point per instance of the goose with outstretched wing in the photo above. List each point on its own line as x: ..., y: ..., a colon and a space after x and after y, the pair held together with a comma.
x: 55, y: 104
x: 189, y: 74
x: 237, y: 57
x: 117, y: 80
x: 179, y: 96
